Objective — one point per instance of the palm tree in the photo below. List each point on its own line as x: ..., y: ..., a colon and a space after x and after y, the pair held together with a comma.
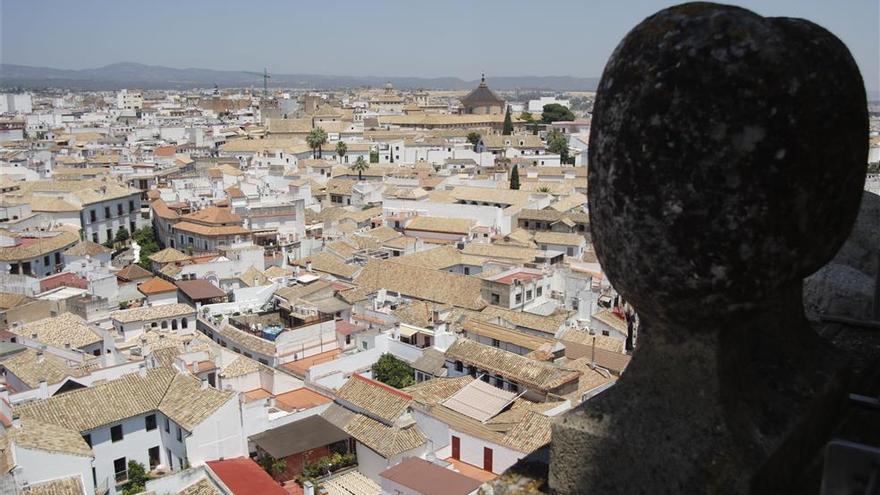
x: 316, y: 138
x: 341, y: 149
x: 360, y: 166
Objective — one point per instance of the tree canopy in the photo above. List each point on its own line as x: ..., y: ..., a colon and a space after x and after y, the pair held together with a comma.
x: 556, y: 143
x: 554, y: 112
x: 507, y: 130
x: 473, y: 137
x: 514, y: 178
x: 146, y: 239
x: 316, y: 138
x: 341, y: 149
x: 360, y: 166
x: 393, y: 371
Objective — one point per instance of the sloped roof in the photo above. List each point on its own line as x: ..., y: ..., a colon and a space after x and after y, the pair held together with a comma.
x: 83, y: 248
x: 480, y: 96
x: 58, y: 331
x: 539, y: 375
x: 156, y: 285
x: 378, y: 399
x: 168, y: 255
x: 421, y: 283
x: 133, y: 272
x: 213, y: 215
x: 179, y: 396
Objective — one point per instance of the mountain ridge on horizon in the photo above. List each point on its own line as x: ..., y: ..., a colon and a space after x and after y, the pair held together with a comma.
x: 136, y: 75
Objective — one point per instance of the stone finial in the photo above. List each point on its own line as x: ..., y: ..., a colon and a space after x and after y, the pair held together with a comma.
x: 727, y: 160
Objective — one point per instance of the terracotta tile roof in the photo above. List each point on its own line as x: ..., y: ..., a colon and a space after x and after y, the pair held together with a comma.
x: 242, y: 366
x: 549, y: 324
x: 213, y: 215
x: 377, y: 399
x: 156, y: 285
x: 58, y: 331
x: 385, y: 440
x: 201, y: 487
x: 83, y: 248
x: 328, y: 263
x: 133, y: 272
x: 527, y: 372
x: 421, y: 283
x: 148, y: 313
x: 437, y: 258
x: 30, y: 369
x: 11, y: 300
x: 33, y: 246
x: 40, y: 435
x: 179, y: 396
x: 560, y: 238
x: 612, y: 320
x: 443, y: 225
x: 161, y: 209
x: 301, y: 398
x: 247, y: 341
x: 168, y: 255
x: 434, y: 391
x: 474, y: 326
x: 62, y: 486
x: 243, y: 476
x: 209, y: 231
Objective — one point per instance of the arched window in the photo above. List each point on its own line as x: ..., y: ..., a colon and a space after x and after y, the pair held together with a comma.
x: 174, y: 324
x: 184, y: 322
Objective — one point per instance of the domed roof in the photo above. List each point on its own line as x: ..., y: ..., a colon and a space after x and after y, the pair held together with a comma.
x: 481, y: 96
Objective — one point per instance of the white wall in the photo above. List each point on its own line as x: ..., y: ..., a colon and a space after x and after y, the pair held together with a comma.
x: 39, y: 465
x: 220, y: 435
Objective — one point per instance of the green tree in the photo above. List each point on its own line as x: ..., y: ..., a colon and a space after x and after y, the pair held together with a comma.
x: 507, y: 130
x: 146, y: 239
x: 556, y: 143
x: 474, y: 138
x: 137, y: 479
x: 316, y: 138
x: 374, y: 156
x: 392, y: 371
x: 341, y: 150
x: 122, y: 235
x: 360, y: 166
x: 554, y: 112
x: 514, y: 178
x: 526, y: 116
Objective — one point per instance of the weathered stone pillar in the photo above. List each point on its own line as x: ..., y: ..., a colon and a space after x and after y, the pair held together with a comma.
x: 727, y: 160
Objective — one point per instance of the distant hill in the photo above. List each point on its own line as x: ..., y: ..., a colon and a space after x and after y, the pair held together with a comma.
x: 132, y: 75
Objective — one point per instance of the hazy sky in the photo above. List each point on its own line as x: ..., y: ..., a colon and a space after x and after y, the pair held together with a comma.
x: 381, y: 38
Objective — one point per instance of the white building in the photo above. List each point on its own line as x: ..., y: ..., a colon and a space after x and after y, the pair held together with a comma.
x: 129, y: 100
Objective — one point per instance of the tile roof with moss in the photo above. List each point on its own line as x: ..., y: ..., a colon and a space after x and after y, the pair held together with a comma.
x: 177, y: 395
x: 59, y: 331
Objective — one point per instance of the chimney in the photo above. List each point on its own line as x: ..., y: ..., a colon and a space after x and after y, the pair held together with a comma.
x: 309, y: 266
x: 204, y: 384
x: 142, y: 371
x: 16, y: 420
x: 308, y: 488
x: 40, y: 356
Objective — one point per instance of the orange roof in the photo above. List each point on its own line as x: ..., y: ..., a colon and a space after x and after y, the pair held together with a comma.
x: 213, y: 214
x: 205, y: 230
x: 165, y: 151
x: 256, y: 394
x: 301, y: 398
x: 133, y: 272
x: 156, y: 285
x: 234, y: 192
x: 301, y: 366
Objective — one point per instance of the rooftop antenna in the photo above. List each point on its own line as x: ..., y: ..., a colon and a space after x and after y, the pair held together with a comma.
x: 265, y: 75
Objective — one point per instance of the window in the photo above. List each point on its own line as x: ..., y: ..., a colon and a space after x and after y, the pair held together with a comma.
x: 93, y: 217
x: 459, y: 366
x: 95, y: 237
x: 183, y: 322
x: 130, y: 205
x: 106, y: 212
x: 467, y: 270
x: 153, y: 454
x: 170, y: 459
x: 131, y: 228
x: 57, y: 258
x: 119, y: 209
x: 109, y: 235
x: 495, y: 298
x: 150, y: 422
x: 174, y: 324
x: 538, y: 291
x: 496, y: 343
x: 569, y: 251
x: 514, y: 387
x: 518, y: 298
x: 528, y: 294
x: 526, y: 224
x: 88, y: 438
x: 164, y: 324
x: 167, y: 427
x: 179, y: 434
x: 119, y: 467
x: 46, y: 261
x: 116, y: 433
